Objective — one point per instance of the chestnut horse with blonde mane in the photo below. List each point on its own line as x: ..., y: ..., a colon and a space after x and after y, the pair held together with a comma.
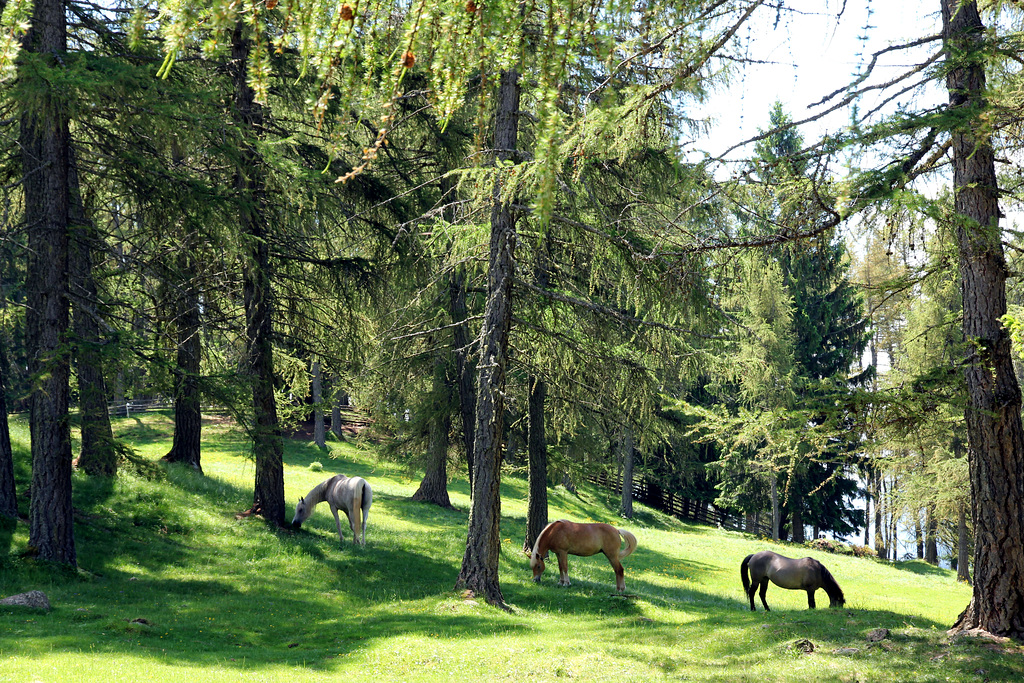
x: 565, y: 538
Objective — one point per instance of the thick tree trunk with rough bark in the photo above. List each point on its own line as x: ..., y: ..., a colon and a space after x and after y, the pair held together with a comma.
x: 483, y: 542
x: 186, y: 447
x: 8, y: 493
x: 317, y: 382
x: 996, y: 437
x: 268, y: 449
x: 99, y: 452
x: 434, y: 487
x: 537, y: 446
x: 45, y: 147
x: 464, y: 367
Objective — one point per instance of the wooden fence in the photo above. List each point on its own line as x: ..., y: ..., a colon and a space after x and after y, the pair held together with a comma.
x: 651, y: 494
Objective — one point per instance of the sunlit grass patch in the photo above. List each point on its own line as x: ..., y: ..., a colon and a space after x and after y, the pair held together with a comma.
x: 174, y: 584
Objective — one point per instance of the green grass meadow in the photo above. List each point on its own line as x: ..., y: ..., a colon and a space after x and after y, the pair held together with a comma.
x: 174, y: 586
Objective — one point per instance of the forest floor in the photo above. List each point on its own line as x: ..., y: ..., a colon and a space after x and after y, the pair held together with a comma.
x: 173, y: 585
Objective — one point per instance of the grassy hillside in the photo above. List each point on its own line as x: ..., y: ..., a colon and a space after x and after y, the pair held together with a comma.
x: 173, y: 586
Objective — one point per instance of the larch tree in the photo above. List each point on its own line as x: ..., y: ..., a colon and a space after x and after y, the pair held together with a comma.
x: 45, y: 155
x: 995, y: 433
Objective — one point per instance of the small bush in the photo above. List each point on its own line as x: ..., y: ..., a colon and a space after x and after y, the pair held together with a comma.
x: 316, y: 466
x: 864, y: 551
x: 830, y: 546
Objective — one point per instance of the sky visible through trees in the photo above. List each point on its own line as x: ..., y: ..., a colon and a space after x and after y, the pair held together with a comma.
x: 798, y: 57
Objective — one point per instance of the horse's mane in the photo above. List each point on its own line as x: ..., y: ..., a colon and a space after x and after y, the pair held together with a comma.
x: 545, y: 532
x: 831, y: 586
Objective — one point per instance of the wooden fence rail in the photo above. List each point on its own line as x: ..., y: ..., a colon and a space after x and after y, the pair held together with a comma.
x: 651, y: 494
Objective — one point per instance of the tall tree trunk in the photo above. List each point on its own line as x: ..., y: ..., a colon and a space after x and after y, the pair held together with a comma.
x: 918, y: 535
x: 464, y: 366
x: 336, y: 414
x: 44, y: 143
x: 880, y: 547
x: 319, y: 431
x: 268, y: 449
x: 8, y: 493
x: 931, y: 543
x: 867, y: 509
x: 99, y: 452
x: 188, y: 418
x: 626, y: 458
x: 893, y: 541
x: 537, y: 500
x: 994, y: 429
x: 798, y: 521
x: 480, y: 563
x: 434, y: 487
x: 963, y: 568
x: 775, y: 506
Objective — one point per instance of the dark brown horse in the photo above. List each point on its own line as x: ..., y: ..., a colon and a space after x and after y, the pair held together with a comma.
x: 805, y: 574
x: 565, y: 538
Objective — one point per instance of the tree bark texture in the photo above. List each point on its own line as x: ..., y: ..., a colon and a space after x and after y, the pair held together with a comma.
x: 996, y: 437
x: 99, y: 452
x: 317, y: 383
x: 336, y: 414
x: 464, y: 366
x: 268, y: 449
x: 45, y: 146
x: 627, y: 454
x: 434, y: 487
x: 963, y: 557
x: 537, y: 447
x: 798, y: 522
x: 186, y: 448
x: 8, y: 492
x: 483, y: 542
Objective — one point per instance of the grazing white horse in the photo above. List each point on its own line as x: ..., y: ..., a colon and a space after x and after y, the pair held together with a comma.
x: 351, y: 494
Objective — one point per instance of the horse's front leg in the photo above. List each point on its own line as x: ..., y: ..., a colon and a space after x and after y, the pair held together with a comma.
x: 337, y: 523
x: 810, y: 598
x: 764, y: 591
x: 563, y: 568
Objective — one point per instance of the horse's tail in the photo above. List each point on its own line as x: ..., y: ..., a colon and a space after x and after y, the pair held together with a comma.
x: 630, y: 543
x: 744, y: 576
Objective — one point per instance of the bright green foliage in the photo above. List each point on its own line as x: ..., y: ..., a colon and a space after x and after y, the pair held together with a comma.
x: 925, y: 445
